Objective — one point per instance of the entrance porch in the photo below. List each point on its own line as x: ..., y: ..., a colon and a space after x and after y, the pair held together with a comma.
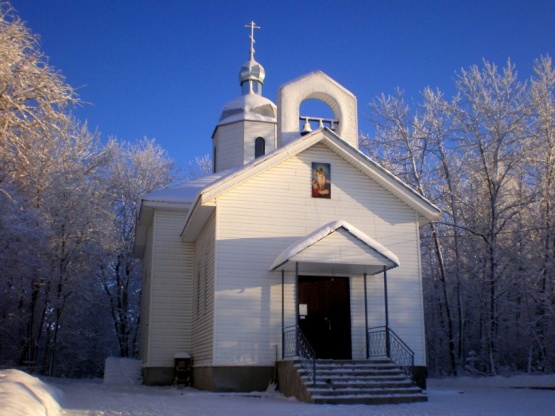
x: 319, y: 343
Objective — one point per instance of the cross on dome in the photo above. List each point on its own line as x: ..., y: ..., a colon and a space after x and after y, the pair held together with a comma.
x: 252, y: 26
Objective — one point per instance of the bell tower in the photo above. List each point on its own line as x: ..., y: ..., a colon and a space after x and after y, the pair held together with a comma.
x: 318, y: 86
x: 247, y: 127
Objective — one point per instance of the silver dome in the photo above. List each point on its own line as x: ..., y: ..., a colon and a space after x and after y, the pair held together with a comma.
x: 252, y: 71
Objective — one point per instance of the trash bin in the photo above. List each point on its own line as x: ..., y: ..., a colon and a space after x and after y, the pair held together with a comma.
x: 182, y: 369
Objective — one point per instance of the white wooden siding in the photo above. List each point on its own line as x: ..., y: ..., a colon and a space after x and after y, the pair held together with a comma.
x: 170, y: 290
x: 358, y: 337
x: 261, y: 217
x: 203, y: 299
x: 229, y: 146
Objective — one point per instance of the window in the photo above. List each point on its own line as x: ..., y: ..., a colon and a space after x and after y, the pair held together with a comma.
x: 259, y: 147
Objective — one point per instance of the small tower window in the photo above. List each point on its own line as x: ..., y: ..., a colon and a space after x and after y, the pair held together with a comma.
x: 259, y: 147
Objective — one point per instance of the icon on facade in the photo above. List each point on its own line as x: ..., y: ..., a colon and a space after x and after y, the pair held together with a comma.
x: 321, y: 180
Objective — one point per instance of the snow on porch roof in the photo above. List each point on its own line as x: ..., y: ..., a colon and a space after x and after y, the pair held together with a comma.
x: 336, y: 248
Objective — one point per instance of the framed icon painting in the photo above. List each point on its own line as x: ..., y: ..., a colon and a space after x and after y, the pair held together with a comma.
x: 321, y: 180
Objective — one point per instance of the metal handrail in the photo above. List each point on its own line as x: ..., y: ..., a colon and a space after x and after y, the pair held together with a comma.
x: 383, y: 341
x: 296, y: 345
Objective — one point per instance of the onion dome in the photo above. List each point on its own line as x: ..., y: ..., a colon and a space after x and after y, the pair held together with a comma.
x: 253, y: 74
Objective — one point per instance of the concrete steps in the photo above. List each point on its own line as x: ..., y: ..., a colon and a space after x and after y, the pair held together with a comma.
x: 376, y: 381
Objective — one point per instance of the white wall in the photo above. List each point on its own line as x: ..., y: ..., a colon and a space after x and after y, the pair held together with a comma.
x: 260, y: 218
x: 228, y: 140
x: 203, y: 296
x: 169, y: 319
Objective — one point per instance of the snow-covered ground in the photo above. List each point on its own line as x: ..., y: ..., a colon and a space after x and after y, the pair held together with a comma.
x: 519, y: 395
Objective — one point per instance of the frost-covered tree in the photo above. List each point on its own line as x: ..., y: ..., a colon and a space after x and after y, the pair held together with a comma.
x: 411, y: 145
x: 62, y: 202
x: 541, y: 157
x: 76, y: 208
x: 491, y: 115
x: 32, y: 94
x: 33, y: 100
x: 485, y: 158
x: 201, y: 166
x: 68, y: 280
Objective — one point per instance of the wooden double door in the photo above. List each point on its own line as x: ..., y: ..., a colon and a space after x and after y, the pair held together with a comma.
x: 325, y: 315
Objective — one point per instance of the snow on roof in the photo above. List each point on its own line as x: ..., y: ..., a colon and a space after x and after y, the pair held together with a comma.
x: 185, y: 192
x: 251, y: 107
x: 247, y: 100
x: 323, y: 232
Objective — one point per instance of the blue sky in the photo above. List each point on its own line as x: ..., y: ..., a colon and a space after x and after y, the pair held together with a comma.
x: 165, y: 69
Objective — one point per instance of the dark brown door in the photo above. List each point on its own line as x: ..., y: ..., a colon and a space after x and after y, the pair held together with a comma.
x: 327, y: 323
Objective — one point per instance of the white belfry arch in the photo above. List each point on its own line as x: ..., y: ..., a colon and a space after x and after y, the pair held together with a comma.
x: 317, y: 86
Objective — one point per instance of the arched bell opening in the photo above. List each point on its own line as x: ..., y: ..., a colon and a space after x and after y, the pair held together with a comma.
x: 314, y: 113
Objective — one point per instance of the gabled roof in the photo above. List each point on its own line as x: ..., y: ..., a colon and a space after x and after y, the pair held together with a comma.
x: 204, y: 202
x: 339, y: 248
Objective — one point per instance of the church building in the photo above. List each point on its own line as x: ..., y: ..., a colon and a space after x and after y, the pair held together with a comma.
x: 299, y: 253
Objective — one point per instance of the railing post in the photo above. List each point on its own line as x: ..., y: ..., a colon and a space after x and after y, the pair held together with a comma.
x: 297, y: 293
x: 282, y: 314
x: 395, y: 348
x: 297, y: 347
x: 387, y: 341
x: 366, y: 318
x: 314, y: 371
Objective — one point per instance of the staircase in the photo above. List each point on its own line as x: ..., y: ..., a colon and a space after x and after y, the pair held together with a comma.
x: 374, y: 381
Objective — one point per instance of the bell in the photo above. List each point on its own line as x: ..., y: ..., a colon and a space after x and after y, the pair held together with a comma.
x: 306, y: 127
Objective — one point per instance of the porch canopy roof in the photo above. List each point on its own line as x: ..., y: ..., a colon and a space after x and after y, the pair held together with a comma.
x: 337, y: 248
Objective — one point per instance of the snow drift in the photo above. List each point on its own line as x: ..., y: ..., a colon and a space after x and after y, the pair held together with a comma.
x: 25, y: 395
